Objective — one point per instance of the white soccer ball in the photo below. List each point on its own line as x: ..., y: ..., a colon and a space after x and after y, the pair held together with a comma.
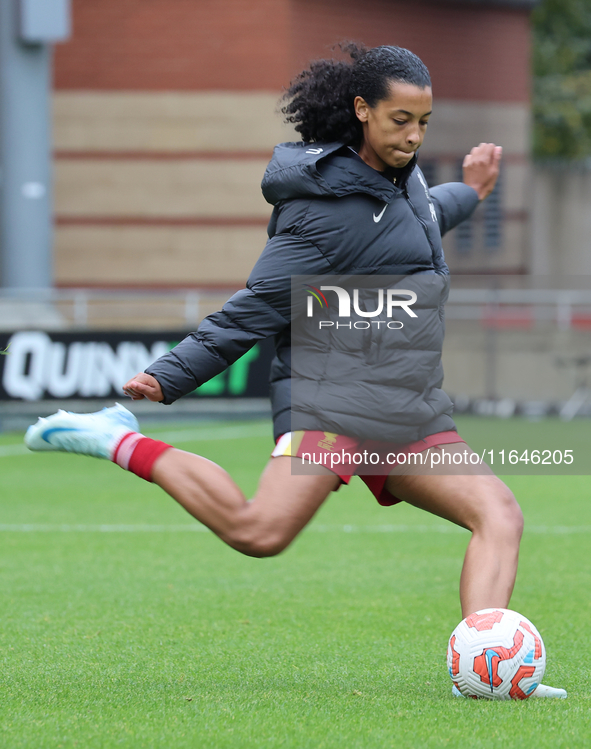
x: 497, y: 654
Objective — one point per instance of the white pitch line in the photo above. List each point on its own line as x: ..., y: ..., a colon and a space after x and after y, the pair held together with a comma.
x: 316, y: 528
x: 319, y: 528
x: 558, y: 530
x: 216, y: 433
x: 46, y: 528
x: 185, y: 435
x: 6, y: 451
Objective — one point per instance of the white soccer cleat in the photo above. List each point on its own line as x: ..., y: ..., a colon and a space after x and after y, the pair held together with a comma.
x: 548, y: 692
x: 541, y: 691
x: 96, y: 434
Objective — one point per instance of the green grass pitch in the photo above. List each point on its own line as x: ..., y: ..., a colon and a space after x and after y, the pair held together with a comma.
x: 123, y: 624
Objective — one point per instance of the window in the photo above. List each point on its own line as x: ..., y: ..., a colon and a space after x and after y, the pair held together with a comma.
x: 483, y: 231
x: 465, y: 230
x: 493, y: 218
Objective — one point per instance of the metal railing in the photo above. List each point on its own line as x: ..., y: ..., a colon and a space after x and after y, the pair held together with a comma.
x: 81, y: 309
x: 133, y: 309
x: 566, y: 308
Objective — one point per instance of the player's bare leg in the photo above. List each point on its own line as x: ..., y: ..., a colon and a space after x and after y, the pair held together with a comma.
x: 282, y: 506
x: 264, y: 526
x: 285, y: 503
x: 485, y: 506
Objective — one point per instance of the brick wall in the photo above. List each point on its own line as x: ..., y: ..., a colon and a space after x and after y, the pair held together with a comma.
x: 178, y: 45
x: 473, y: 52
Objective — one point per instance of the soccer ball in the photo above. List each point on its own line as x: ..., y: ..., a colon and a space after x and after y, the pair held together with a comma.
x: 497, y: 654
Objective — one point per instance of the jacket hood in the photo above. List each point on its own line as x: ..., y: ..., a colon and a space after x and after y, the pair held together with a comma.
x: 306, y: 170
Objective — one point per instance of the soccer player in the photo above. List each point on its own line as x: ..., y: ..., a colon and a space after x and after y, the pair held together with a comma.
x: 348, y: 199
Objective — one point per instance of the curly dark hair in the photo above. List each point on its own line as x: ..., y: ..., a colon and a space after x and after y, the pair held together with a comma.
x: 319, y: 101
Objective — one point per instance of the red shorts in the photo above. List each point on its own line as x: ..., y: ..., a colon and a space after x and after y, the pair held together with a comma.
x: 321, y: 445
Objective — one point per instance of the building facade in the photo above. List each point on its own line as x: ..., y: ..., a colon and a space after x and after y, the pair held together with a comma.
x: 165, y: 115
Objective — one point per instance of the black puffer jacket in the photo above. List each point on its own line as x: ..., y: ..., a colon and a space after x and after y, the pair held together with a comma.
x: 335, y: 215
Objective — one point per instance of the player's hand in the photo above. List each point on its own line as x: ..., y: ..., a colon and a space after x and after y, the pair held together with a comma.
x: 481, y: 168
x: 143, y: 386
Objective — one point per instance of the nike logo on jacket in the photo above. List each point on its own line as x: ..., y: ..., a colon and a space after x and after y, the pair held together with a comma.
x: 379, y: 216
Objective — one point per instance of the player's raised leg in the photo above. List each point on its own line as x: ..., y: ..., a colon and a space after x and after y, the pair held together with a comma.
x: 263, y: 526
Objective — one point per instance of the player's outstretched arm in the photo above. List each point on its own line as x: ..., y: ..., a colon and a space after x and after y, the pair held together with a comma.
x: 481, y: 168
x: 143, y: 386
x: 259, y: 311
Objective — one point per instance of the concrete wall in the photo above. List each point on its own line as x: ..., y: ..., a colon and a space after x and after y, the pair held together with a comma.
x: 161, y: 188
x: 525, y: 365
x: 164, y: 188
x: 561, y: 222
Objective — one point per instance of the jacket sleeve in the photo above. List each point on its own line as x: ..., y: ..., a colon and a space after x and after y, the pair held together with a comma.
x: 454, y: 203
x: 260, y: 310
